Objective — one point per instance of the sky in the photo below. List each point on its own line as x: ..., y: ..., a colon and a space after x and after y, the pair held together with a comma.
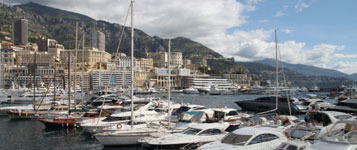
x: 321, y: 33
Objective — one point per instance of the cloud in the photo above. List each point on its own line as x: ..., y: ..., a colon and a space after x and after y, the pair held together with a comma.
x: 286, y: 6
x: 279, y: 14
x: 301, y: 5
x: 343, y: 56
x: 287, y: 31
x: 347, y: 67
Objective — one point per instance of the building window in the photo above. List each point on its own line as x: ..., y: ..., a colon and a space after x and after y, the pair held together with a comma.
x: 112, y: 79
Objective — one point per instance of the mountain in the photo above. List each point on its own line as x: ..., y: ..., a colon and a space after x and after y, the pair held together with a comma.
x: 306, y: 69
x: 267, y: 72
x: 354, y: 76
x: 60, y: 25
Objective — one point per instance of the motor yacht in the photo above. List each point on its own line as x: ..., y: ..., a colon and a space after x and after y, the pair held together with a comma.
x: 195, y: 135
x: 262, y: 104
x: 341, y: 139
x: 252, y: 138
x: 317, y: 124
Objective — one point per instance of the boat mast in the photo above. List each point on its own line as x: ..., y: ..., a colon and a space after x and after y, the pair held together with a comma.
x: 18, y: 72
x: 82, y: 79
x: 69, y: 82
x: 54, y: 82
x: 132, y: 65
x: 2, y: 70
x: 276, y: 70
x: 34, y: 82
x: 169, y: 85
x: 75, y: 67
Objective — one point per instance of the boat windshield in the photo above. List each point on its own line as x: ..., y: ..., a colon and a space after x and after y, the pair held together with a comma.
x: 285, y: 146
x: 191, y: 131
x: 236, y: 139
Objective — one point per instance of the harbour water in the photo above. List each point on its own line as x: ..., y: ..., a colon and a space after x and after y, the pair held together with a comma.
x: 32, y: 135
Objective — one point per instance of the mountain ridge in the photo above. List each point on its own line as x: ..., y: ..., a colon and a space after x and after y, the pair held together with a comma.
x: 307, y: 69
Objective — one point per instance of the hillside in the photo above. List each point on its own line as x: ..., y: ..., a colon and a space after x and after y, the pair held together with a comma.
x: 267, y: 72
x: 306, y: 69
x: 354, y: 76
x: 60, y: 25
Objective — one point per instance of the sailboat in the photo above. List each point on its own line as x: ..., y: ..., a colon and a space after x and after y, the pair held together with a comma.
x: 274, y: 103
x: 135, y: 132
x: 70, y: 120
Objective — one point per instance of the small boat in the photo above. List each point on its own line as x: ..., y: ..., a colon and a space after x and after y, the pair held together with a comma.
x: 214, y: 90
x: 252, y: 138
x: 191, y: 90
x: 315, y: 88
x: 349, y: 93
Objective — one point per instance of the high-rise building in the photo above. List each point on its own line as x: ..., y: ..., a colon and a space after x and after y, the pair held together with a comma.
x: 98, y: 39
x: 20, y: 32
x: 42, y: 44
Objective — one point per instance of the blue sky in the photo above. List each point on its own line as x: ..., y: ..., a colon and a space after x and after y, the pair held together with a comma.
x: 320, y: 21
x: 321, y: 33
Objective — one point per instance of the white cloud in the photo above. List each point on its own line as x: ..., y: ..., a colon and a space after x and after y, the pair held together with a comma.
x: 279, y: 14
x: 287, y: 31
x: 301, y: 5
x: 286, y: 6
x: 343, y: 56
x: 347, y: 67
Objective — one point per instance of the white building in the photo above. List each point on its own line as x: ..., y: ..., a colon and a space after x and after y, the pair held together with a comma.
x: 161, y: 59
x: 101, y: 78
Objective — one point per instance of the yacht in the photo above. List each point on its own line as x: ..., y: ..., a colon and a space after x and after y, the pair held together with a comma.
x: 214, y: 90
x: 194, y: 135
x: 315, y: 88
x: 344, y: 138
x: 349, y: 93
x: 317, y: 124
x: 190, y: 90
x: 252, y: 138
x: 262, y: 104
x: 347, y: 106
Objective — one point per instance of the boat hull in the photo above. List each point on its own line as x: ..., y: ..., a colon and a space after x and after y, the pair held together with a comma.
x: 252, y: 105
x: 119, y: 140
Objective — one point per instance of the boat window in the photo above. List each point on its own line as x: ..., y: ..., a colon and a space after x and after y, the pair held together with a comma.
x: 232, y: 113
x: 191, y: 131
x: 263, y: 138
x: 211, y: 132
x: 219, y: 115
x: 292, y: 147
x: 236, y: 139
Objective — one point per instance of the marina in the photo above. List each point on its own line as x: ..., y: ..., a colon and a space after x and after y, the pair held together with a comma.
x: 125, y: 89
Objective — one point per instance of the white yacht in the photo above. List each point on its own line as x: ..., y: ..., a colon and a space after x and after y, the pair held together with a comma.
x: 191, y: 90
x: 194, y: 135
x: 317, y: 124
x: 341, y: 139
x: 252, y: 138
